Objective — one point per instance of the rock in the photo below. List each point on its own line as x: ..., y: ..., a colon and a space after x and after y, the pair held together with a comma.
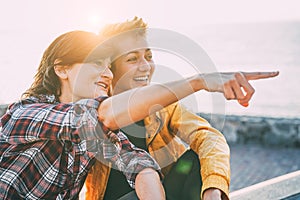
x: 257, y: 130
x: 3, y: 108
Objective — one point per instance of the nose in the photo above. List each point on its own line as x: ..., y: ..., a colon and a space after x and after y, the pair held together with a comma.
x: 144, y: 65
x: 107, y: 73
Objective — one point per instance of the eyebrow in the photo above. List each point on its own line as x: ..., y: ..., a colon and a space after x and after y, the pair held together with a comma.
x: 148, y: 49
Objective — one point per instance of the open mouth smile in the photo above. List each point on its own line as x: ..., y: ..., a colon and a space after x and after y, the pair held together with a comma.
x: 102, y: 84
x: 141, y: 78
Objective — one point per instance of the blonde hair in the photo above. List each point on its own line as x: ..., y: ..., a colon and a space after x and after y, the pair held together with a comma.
x: 136, y: 24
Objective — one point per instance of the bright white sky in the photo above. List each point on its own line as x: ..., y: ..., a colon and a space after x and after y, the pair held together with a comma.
x: 28, y: 26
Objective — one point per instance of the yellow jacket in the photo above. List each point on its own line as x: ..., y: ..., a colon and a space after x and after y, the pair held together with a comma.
x: 169, y: 133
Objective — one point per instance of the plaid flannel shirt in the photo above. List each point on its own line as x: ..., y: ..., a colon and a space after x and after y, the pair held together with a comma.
x: 47, y: 148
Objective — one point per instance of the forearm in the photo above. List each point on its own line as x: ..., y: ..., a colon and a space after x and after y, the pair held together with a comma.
x: 213, y: 150
x: 133, y: 105
x: 136, y: 104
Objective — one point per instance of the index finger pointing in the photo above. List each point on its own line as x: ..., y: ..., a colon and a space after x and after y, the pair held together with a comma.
x: 259, y: 75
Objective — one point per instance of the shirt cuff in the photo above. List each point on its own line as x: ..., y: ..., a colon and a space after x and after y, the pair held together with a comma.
x: 214, y: 181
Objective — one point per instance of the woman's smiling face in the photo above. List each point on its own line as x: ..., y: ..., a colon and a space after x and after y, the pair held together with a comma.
x: 134, y: 67
x: 88, y: 80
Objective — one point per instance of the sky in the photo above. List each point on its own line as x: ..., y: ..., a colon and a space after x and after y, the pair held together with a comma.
x: 28, y: 26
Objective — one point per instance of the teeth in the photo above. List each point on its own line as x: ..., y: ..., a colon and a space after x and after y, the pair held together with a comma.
x: 141, y: 78
x: 102, y: 84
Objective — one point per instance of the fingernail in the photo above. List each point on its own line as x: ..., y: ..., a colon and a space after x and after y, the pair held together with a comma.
x: 245, y: 104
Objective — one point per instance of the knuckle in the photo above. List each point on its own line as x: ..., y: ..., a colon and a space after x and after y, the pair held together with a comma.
x: 226, y: 84
x: 232, y: 81
x: 238, y: 75
x: 228, y: 98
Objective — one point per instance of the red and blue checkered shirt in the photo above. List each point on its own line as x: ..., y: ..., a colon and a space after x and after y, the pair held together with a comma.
x: 47, y: 148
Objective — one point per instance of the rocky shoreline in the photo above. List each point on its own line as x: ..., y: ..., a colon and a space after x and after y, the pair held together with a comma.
x: 3, y: 108
x: 237, y: 129
x: 268, y: 131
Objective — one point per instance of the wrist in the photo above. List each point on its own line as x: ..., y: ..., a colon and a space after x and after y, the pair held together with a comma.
x: 197, y: 82
x: 212, y: 193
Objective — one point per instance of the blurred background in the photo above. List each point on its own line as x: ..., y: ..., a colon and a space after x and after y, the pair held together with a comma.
x: 256, y: 35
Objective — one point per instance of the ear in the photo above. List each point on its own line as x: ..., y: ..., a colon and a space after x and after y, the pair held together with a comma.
x: 60, y: 70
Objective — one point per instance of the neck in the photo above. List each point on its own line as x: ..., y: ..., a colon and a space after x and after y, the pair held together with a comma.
x: 66, y: 96
x: 117, y: 90
x: 65, y: 99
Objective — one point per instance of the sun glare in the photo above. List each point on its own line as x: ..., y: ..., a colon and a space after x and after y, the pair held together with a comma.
x: 94, y: 23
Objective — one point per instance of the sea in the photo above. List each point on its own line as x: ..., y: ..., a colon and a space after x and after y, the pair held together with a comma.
x: 250, y: 47
x: 246, y: 47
